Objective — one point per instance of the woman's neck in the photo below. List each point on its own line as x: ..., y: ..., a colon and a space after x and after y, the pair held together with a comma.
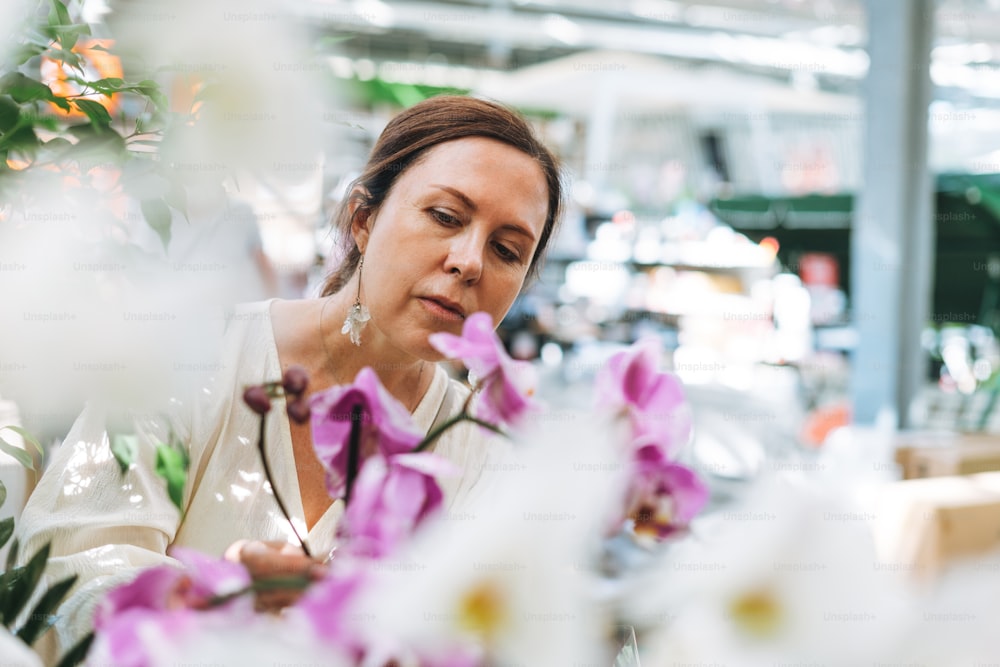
x: 404, y: 376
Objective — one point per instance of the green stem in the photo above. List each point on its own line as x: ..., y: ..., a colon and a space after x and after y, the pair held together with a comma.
x: 460, y: 417
x: 274, y: 487
x: 260, y: 585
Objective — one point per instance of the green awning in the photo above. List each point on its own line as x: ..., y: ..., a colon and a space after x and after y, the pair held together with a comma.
x: 967, y: 220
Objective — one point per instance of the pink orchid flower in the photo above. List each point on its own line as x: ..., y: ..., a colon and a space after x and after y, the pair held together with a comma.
x: 506, y: 384
x: 386, y: 426
x: 166, y: 587
x: 662, y: 496
x: 165, y: 597
x: 631, y: 382
x: 392, y: 497
x: 327, y: 603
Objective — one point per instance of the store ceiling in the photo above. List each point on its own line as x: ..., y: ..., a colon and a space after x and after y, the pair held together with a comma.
x: 812, y: 43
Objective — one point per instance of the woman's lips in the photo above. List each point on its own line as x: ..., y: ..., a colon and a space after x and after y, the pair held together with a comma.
x: 441, y: 311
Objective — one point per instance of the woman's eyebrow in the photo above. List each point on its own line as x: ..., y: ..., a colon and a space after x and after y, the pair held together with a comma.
x: 457, y: 194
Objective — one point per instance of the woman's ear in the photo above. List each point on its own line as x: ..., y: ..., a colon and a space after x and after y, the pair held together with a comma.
x: 361, y: 216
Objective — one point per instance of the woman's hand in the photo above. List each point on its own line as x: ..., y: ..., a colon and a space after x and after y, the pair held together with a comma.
x: 274, y: 560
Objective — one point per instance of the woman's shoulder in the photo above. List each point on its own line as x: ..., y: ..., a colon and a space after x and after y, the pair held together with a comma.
x: 249, y: 315
x: 270, y: 322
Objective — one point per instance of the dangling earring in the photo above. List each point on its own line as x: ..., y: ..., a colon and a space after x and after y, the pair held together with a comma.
x: 358, y: 315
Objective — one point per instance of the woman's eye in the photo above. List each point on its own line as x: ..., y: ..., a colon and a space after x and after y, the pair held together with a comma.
x: 443, y: 217
x: 506, y: 254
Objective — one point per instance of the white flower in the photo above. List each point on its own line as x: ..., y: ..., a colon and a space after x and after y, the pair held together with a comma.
x: 790, y: 576
x: 16, y: 653
x: 510, y: 578
x: 958, y: 616
x: 225, y: 639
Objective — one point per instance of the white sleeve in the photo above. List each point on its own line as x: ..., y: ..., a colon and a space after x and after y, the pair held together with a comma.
x: 103, y: 525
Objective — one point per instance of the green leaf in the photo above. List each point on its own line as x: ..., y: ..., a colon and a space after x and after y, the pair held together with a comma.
x: 108, y: 85
x: 6, y: 530
x: 23, y: 585
x: 11, y: 557
x: 125, y: 448
x: 23, y: 139
x: 24, y: 89
x: 42, y: 616
x: 3, y: 499
x: 25, y: 52
x: 151, y: 90
x: 46, y: 122
x: 8, y: 584
x: 23, y: 457
x: 157, y: 215
x: 95, y: 111
x: 69, y: 34
x: 28, y: 438
x: 58, y: 15
x: 171, y: 465
x: 78, y: 653
x: 67, y: 58
x: 9, y: 113
x: 60, y: 102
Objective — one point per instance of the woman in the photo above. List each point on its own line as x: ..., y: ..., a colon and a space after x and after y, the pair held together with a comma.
x: 450, y: 216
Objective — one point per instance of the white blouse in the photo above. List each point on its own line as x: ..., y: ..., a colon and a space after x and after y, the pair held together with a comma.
x: 104, y: 526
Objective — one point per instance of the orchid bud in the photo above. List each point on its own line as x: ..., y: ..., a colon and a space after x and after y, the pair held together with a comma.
x: 257, y: 398
x: 295, y: 380
x: 299, y: 411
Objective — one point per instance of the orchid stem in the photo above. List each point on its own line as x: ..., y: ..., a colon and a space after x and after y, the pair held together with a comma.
x: 269, y: 584
x: 353, y: 453
x: 460, y: 417
x: 274, y: 487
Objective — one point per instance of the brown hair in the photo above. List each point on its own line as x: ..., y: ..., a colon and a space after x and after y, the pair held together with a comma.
x: 408, y: 136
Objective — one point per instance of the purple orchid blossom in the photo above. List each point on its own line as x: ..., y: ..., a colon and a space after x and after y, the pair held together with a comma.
x: 325, y: 605
x: 632, y: 383
x: 662, y: 496
x: 392, y: 497
x: 506, y: 384
x: 195, y: 586
x: 386, y: 426
x: 164, y: 600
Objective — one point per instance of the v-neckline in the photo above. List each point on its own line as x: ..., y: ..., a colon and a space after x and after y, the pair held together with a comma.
x: 320, y: 538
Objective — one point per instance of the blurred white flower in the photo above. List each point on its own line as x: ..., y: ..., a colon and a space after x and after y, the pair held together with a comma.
x: 511, y: 576
x: 790, y: 576
x: 228, y: 640
x: 262, y: 108
x: 958, y: 616
x: 16, y: 653
x: 93, y: 305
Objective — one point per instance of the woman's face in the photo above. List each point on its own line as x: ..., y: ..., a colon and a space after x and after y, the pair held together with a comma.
x: 454, y: 236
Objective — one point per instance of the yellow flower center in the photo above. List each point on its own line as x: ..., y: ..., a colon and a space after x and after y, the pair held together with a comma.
x: 757, y: 612
x: 482, y: 610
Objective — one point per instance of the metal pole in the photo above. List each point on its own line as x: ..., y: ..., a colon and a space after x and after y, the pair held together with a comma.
x: 892, y: 242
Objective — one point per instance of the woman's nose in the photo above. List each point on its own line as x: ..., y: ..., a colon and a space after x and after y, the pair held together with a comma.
x: 465, y: 258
